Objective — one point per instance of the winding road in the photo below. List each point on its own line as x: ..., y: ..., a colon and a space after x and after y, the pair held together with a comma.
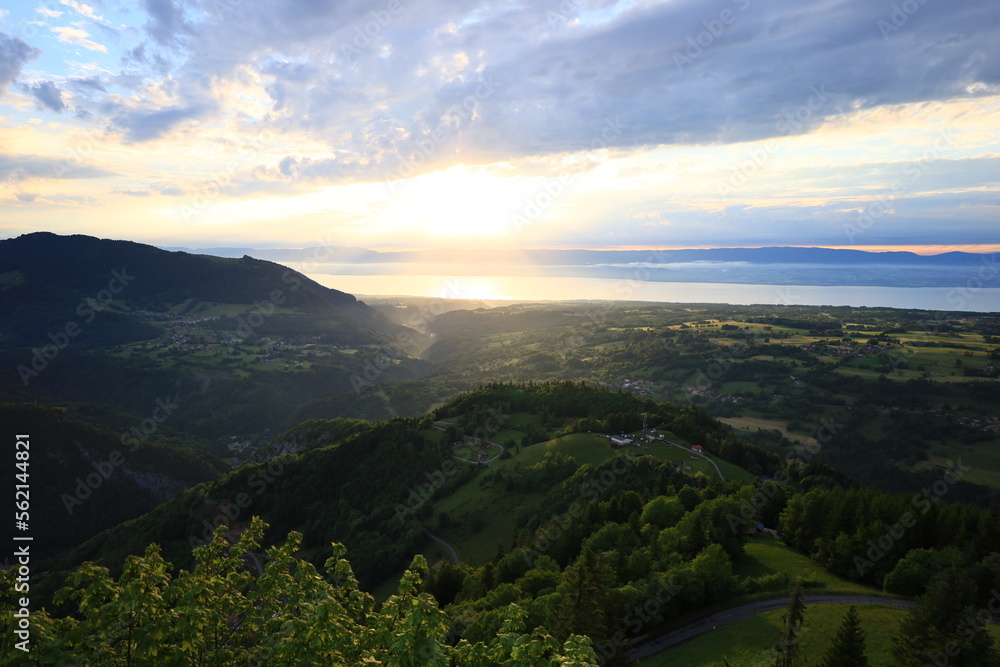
x: 454, y: 554
x: 646, y: 647
x: 714, y: 464
x: 435, y: 425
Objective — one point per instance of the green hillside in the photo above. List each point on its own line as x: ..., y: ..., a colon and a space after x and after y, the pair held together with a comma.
x: 243, y: 343
x: 85, y: 479
x: 750, y: 642
x: 618, y: 545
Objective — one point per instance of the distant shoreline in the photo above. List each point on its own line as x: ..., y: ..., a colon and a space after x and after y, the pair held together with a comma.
x: 959, y: 298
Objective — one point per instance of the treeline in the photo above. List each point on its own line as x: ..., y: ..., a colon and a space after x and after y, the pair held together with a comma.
x: 238, y: 607
x: 84, y: 479
x: 864, y: 534
x: 613, y: 563
x: 559, y: 398
x: 365, y: 492
x: 619, y: 549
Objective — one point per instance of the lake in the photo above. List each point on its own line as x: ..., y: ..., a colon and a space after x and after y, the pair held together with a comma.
x: 962, y: 297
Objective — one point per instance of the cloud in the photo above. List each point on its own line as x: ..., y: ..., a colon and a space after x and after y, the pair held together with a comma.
x: 78, y: 36
x: 142, y: 125
x: 14, y: 52
x: 91, y: 82
x: 314, y: 92
x: 677, y: 73
x: 18, y: 168
x: 166, y: 20
x: 82, y: 9
x: 47, y: 95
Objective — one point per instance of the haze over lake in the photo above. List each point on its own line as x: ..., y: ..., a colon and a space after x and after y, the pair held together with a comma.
x: 961, y: 297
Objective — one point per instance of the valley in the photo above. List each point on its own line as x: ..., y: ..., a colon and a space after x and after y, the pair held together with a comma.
x: 588, y: 475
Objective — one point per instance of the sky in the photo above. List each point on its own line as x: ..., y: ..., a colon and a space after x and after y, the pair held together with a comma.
x: 457, y: 124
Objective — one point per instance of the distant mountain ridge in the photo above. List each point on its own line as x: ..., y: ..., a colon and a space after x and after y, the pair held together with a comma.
x: 244, y: 342
x: 582, y: 257
x: 48, y: 278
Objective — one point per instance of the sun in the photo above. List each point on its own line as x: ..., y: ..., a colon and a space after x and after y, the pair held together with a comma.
x: 458, y: 203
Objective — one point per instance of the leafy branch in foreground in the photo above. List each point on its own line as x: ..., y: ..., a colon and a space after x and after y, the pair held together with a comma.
x: 241, y: 607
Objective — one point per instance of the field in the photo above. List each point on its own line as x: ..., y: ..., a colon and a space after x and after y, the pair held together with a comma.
x: 765, y: 555
x: 983, y: 459
x: 584, y: 447
x: 749, y: 642
x: 751, y: 424
x: 481, y: 516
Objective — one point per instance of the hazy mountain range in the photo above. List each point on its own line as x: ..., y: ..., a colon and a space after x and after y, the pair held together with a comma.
x: 768, y: 266
x: 770, y: 255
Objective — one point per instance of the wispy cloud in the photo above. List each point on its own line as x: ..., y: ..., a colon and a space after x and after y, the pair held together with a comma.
x: 78, y: 36
x: 81, y: 9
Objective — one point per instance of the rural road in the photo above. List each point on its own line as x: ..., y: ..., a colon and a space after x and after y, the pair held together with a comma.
x: 487, y: 460
x: 647, y: 647
x: 435, y: 425
x: 714, y: 464
x: 454, y: 554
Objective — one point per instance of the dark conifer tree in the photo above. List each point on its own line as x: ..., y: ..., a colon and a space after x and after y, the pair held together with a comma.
x: 789, y: 651
x: 848, y: 648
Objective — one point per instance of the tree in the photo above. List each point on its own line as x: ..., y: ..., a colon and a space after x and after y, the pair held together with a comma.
x: 584, y: 594
x: 848, y: 648
x: 240, y: 607
x: 915, y: 571
x: 662, y: 512
x: 943, y: 626
x: 789, y: 651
